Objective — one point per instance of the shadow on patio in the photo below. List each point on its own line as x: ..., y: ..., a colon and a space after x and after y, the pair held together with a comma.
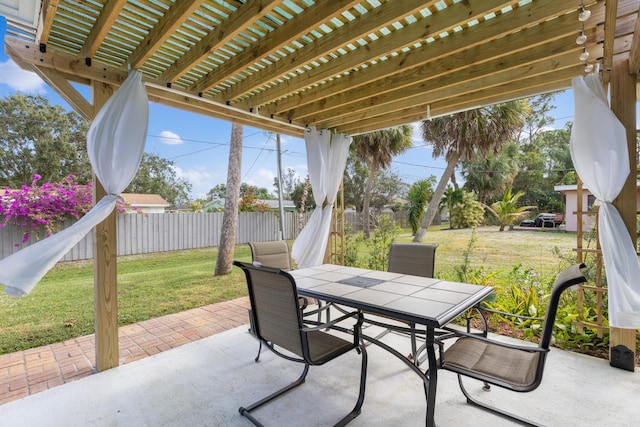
x: 203, y: 383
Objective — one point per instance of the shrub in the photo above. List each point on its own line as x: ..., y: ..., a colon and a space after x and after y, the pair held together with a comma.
x: 43, y: 208
x: 466, y: 213
x: 380, y: 242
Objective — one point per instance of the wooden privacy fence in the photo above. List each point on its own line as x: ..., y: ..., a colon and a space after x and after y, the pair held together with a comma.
x: 148, y: 233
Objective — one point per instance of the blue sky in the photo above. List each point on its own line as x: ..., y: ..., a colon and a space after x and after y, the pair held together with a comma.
x: 199, y: 145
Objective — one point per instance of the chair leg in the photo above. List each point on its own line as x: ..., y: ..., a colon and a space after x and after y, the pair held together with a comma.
x: 357, y: 409
x: 363, y: 382
x: 257, y: 359
x: 245, y: 412
x: 493, y: 409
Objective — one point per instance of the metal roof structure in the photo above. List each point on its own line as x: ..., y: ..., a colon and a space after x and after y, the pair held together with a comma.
x: 349, y: 65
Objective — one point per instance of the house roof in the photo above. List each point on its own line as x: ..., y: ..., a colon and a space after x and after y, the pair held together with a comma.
x: 349, y: 65
x: 136, y: 199
x: 274, y: 203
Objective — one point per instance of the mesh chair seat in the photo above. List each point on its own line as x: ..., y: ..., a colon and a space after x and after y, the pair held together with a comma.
x: 324, y: 346
x: 510, y: 365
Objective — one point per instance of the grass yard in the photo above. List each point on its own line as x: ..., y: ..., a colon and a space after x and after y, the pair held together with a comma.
x: 499, y: 251
x: 61, y: 305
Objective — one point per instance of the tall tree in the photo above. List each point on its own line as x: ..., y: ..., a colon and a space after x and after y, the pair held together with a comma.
x: 538, y: 119
x: 224, y: 262
x: 544, y: 163
x: 463, y: 136
x: 290, y: 181
x: 39, y: 138
x: 157, y: 175
x: 376, y: 150
x: 490, y: 175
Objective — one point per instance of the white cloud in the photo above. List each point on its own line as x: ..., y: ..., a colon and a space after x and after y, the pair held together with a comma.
x: 20, y: 80
x: 202, y: 180
x: 170, y: 138
x: 263, y: 178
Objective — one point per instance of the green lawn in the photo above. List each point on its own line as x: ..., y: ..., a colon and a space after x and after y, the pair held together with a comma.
x: 61, y: 305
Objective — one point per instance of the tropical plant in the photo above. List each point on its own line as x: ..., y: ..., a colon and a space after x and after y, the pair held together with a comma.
x: 507, y: 210
x: 449, y: 199
x: 249, y: 203
x: 376, y: 150
x: 465, y: 135
x: 467, y: 213
x: 419, y: 194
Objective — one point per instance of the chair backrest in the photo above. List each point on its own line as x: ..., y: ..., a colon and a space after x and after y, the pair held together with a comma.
x: 417, y: 259
x: 275, y: 306
x: 273, y: 254
x: 567, y: 278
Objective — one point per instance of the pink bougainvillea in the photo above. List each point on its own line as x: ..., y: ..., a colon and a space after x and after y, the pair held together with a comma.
x: 44, y: 207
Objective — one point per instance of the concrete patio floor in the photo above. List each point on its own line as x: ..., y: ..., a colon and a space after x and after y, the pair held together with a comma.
x: 204, y: 382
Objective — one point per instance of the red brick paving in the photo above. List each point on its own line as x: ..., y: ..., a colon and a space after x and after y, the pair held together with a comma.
x: 37, y: 369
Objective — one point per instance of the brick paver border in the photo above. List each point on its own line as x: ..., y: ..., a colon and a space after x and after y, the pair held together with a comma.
x: 37, y: 369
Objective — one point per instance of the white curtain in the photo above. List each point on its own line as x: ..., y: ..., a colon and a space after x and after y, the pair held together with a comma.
x: 115, y: 144
x: 326, y: 160
x: 600, y: 156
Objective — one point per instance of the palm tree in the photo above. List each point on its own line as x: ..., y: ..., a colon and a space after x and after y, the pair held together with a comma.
x: 226, y: 247
x: 376, y: 150
x: 507, y: 210
x: 488, y: 177
x: 465, y: 135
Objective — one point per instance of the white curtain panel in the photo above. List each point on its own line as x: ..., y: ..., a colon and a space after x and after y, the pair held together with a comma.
x: 115, y: 144
x: 326, y: 159
x: 600, y: 156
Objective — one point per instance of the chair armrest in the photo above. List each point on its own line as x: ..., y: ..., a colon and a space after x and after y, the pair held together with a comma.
x: 531, y: 349
x: 333, y: 322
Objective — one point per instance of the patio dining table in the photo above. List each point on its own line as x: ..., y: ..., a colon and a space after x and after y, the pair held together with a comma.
x: 431, y: 303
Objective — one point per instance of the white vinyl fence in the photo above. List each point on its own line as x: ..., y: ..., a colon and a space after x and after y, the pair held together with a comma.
x: 148, y: 233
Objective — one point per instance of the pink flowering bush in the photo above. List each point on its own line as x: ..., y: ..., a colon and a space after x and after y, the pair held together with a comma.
x: 45, y: 207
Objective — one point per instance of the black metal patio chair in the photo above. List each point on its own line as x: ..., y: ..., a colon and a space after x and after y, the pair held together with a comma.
x: 276, y: 254
x: 514, y: 367
x: 279, y: 325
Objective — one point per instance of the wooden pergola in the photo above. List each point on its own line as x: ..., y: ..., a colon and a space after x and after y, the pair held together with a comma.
x: 351, y: 66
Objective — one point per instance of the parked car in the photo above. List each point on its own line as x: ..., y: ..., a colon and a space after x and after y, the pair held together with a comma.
x: 543, y: 219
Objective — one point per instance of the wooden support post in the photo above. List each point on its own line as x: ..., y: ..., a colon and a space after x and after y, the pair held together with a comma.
x: 623, y: 104
x: 105, y: 268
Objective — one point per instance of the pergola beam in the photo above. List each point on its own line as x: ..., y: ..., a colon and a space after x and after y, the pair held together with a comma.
x: 462, y: 41
x: 166, y: 26
x: 24, y: 54
x: 520, y: 66
x: 288, y: 32
x: 385, y: 15
x: 238, y: 22
x: 108, y: 15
